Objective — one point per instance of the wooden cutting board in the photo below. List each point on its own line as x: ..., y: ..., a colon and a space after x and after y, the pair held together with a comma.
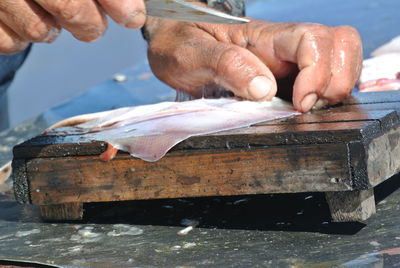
x: 343, y: 151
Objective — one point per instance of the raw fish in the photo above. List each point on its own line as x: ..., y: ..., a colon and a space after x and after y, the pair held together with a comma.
x: 149, y: 131
x: 382, y: 71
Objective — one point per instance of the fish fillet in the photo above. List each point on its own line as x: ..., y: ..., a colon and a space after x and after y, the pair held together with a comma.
x: 149, y: 131
x: 382, y: 71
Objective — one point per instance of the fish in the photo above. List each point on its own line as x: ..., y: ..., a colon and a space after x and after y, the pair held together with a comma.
x: 381, y: 72
x: 148, y: 132
x: 5, y: 173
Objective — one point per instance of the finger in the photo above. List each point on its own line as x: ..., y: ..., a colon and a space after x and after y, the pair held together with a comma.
x: 84, y: 18
x: 347, y: 63
x: 9, y: 41
x: 240, y: 71
x: 310, y: 46
x: 201, y: 61
x: 29, y: 21
x: 128, y: 13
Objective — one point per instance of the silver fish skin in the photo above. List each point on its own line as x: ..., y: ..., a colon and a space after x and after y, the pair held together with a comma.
x: 150, y: 131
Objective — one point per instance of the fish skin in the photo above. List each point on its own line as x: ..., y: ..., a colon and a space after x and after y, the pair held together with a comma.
x: 150, y: 131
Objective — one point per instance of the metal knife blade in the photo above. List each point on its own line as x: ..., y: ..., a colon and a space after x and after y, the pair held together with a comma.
x: 186, y: 10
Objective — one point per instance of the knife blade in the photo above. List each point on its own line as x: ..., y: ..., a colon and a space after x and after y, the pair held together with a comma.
x: 187, y: 10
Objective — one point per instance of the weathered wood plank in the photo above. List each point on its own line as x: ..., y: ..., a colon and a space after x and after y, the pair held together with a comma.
x: 383, y: 157
x: 304, y: 168
x: 61, y: 212
x: 347, y: 113
x: 263, y: 135
x: 351, y: 205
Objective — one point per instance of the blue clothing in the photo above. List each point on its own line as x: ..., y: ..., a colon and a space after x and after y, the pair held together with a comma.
x: 9, y: 65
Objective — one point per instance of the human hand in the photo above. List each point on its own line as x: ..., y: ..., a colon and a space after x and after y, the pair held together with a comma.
x: 248, y: 59
x: 25, y: 21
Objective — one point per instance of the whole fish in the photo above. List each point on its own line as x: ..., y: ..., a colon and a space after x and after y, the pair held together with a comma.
x: 149, y: 131
x: 382, y: 71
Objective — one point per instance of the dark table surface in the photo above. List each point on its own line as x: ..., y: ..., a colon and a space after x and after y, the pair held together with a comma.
x: 248, y: 231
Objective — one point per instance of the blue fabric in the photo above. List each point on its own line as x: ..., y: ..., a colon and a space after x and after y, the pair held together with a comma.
x: 9, y: 65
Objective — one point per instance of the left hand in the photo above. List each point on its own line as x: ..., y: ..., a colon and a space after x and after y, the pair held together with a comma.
x: 26, y: 21
x: 248, y: 59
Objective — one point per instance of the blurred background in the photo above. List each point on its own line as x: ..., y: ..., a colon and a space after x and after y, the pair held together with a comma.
x: 55, y: 73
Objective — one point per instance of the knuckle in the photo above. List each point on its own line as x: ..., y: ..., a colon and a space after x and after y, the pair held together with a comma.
x: 312, y: 31
x: 37, y: 31
x: 350, y: 34
x: 66, y: 10
x: 230, y: 59
x: 348, y: 29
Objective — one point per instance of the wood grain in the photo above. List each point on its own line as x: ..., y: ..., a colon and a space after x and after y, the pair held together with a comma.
x: 62, y: 212
x: 183, y: 174
x: 351, y: 206
x: 383, y: 160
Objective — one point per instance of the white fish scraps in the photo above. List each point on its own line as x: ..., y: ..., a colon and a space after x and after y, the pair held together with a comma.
x: 149, y: 131
x: 382, y: 71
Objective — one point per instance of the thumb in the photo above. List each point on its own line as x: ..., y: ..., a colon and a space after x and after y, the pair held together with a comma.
x: 209, y: 62
x: 241, y: 72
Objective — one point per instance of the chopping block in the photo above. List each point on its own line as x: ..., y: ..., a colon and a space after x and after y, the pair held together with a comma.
x: 343, y: 151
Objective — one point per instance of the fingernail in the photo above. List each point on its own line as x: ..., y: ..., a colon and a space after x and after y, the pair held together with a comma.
x: 135, y: 20
x: 260, y: 87
x: 308, y: 102
x: 321, y: 103
x: 52, y: 35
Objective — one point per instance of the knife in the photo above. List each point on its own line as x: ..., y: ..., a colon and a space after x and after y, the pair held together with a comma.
x: 187, y: 10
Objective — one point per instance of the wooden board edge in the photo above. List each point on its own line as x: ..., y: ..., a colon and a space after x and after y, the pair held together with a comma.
x: 138, y: 180
x: 383, y: 156
x: 20, y: 181
x: 358, y: 165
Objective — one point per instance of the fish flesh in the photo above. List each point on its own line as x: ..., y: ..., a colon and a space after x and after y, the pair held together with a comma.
x: 382, y: 71
x: 150, y: 131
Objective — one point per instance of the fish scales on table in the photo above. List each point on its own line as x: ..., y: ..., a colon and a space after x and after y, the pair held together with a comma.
x: 150, y: 131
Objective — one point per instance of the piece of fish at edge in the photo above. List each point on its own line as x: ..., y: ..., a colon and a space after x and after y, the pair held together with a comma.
x: 382, y: 71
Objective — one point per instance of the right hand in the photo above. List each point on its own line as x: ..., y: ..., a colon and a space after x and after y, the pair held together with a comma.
x: 26, y: 21
x: 248, y: 59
